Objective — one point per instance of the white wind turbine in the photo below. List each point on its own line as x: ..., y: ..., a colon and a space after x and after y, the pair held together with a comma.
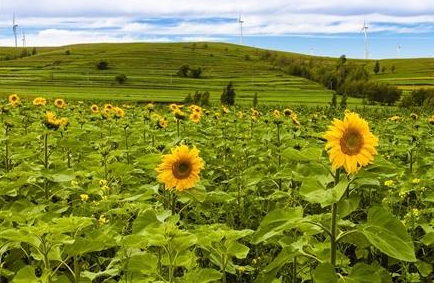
x: 24, y: 39
x: 241, y: 28
x: 365, y: 30
x: 14, y: 28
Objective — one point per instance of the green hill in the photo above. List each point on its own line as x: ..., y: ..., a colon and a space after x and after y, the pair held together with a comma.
x: 151, y: 69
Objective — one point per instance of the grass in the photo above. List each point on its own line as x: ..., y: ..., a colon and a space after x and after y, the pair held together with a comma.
x: 151, y: 70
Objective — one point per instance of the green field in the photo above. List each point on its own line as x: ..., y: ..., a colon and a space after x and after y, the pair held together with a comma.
x: 151, y: 70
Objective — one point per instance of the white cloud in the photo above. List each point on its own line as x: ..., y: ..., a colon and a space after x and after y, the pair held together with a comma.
x: 59, y: 22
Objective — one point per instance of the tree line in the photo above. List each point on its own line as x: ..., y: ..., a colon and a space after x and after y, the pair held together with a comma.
x: 344, y: 77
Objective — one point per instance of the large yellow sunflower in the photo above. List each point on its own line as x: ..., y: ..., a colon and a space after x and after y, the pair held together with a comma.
x: 181, y: 168
x: 60, y: 103
x: 195, y: 117
x: 350, y: 143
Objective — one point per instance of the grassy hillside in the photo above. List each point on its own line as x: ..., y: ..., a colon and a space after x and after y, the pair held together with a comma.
x: 151, y: 70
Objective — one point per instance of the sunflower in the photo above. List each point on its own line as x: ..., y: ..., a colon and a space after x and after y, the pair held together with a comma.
x: 119, y: 112
x: 94, y: 108
x: 174, y: 107
x: 394, y: 118
x: 181, y: 168
x: 288, y: 112
x: 52, y: 122
x: 350, y: 143
x: 60, y: 103
x: 276, y: 113
x: 431, y: 120
x: 216, y: 115
x: 39, y: 101
x: 14, y: 99
x: 195, y: 117
x: 179, y: 115
x: 226, y: 110
x: 414, y: 116
x: 295, y: 119
x: 162, y: 123
x: 108, y: 106
x: 150, y: 107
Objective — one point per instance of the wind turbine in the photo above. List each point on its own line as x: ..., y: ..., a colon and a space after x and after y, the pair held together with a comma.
x: 365, y: 30
x: 24, y: 39
x: 14, y: 28
x: 241, y: 28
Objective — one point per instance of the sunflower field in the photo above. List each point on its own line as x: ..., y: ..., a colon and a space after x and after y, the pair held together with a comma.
x: 180, y: 193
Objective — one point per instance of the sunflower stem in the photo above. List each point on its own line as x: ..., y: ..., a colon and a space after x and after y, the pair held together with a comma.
x: 7, y: 148
x: 333, y: 236
x: 46, y: 150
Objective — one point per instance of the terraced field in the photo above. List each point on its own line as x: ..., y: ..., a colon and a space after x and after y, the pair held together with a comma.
x: 151, y: 71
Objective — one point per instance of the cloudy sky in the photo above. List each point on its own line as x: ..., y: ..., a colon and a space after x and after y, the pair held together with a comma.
x: 320, y: 27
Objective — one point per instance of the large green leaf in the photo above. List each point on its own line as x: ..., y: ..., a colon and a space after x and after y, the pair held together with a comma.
x: 201, y: 275
x: 277, y: 221
x: 308, y: 154
x: 388, y: 234
x: 315, y: 192
x: 325, y: 273
x: 25, y: 275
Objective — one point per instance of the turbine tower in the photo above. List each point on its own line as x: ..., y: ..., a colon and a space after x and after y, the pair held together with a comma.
x: 365, y: 30
x: 241, y: 28
x: 24, y: 39
x: 14, y: 28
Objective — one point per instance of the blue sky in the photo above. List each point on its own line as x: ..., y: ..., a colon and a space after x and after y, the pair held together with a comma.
x: 327, y: 27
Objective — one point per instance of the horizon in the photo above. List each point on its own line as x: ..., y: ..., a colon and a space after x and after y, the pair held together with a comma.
x: 307, y: 27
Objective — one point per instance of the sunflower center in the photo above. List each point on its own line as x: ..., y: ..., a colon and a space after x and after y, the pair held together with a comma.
x: 181, y: 169
x: 351, y: 142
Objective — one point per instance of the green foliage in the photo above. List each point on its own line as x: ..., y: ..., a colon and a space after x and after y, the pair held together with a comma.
x: 228, y: 95
x: 101, y: 65
x: 120, y: 79
x: 376, y: 67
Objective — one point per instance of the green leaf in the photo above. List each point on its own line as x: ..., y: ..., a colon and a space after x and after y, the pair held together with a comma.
x: 277, y: 221
x: 363, y: 273
x: 425, y: 269
x: 144, y: 263
x: 325, y: 273
x: 388, y: 234
x: 315, y: 192
x: 308, y: 154
x: 201, y: 275
x: 25, y: 275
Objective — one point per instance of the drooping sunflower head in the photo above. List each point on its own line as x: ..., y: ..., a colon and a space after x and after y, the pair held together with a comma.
x: 350, y: 143
x: 60, y: 103
x: 294, y: 119
x: 226, y: 110
x: 394, y: 118
x: 94, y: 108
x: 179, y: 115
x: 414, y: 116
x: 162, y: 123
x: 180, y: 169
x: 150, y: 106
x: 108, y: 106
x: 217, y: 115
x: 39, y: 101
x: 195, y: 117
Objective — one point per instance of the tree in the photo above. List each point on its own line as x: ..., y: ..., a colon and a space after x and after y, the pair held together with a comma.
x: 344, y: 101
x: 197, y: 96
x: 392, y: 69
x: 255, y: 100
x: 188, y: 99
x: 183, y: 71
x: 377, y: 67
x: 67, y: 52
x: 334, y: 101
x: 34, y: 51
x: 204, y: 99
x: 196, y: 73
x: 228, y: 95
x: 102, y: 65
x: 121, y: 78
x: 342, y: 59
x: 383, y: 69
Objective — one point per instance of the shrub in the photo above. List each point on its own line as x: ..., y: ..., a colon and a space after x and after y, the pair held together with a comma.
x: 121, y: 78
x: 101, y: 65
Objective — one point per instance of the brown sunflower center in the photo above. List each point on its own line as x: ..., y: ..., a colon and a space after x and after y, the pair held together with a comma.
x: 351, y: 142
x: 182, y: 169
